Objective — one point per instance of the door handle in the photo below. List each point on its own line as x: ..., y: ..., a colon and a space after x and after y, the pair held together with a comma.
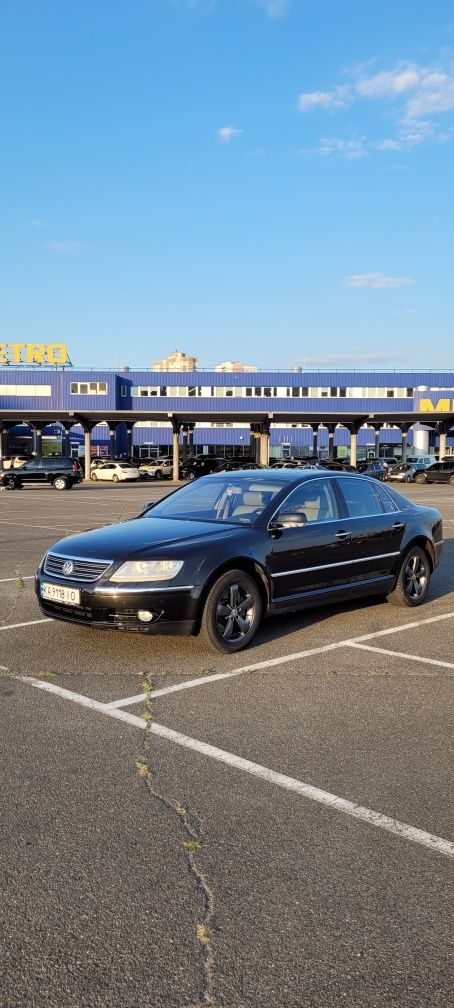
x: 343, y: 535
x: 399, y: 525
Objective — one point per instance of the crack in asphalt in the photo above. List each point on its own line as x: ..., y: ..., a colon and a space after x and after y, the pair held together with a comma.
x: 193, y: 841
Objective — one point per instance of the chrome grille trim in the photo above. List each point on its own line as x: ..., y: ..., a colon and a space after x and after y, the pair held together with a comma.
x: 84, y: 569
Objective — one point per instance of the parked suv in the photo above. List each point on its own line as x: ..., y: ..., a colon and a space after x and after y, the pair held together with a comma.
x: 156, y: 469
x: 62, y: 473
x: 202, y: 466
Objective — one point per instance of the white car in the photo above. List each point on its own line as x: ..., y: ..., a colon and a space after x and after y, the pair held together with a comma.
x: 157, y: 469
x: 115, y: 471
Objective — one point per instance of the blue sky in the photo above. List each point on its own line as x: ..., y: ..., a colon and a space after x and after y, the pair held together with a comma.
x: 259, y: 180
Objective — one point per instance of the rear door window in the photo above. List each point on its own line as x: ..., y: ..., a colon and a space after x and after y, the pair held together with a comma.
x: 360, y: 497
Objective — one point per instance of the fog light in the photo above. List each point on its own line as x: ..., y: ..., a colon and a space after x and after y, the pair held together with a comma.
x: 145, y: 616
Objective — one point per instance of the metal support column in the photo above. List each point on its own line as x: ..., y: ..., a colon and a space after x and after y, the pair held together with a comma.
x: 442, y: 438
x: 265, y: 448
x: 377, y: 442
x: 3, y: 442
x: 112, y: 431
x: 67, y: 443
x: 353, y: 447
x: 87, y: 458
x: 129, y: 441
x: 176, y: 426
x: 38, y: 441
x: 330, y: 443
x: 404, y: 445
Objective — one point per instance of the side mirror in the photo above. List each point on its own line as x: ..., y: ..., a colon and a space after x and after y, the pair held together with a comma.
x: 289, y: 519
x: 147, y: 507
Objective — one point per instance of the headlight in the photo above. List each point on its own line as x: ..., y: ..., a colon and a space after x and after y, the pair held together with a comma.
x: 147, y: 570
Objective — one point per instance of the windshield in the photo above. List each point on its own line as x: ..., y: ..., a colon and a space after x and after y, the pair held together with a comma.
x: 220, y: 499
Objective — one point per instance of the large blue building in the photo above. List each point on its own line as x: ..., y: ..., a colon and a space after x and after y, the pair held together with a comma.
x: 141, y: 413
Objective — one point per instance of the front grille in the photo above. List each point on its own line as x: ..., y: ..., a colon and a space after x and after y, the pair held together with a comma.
x: 83, y: 570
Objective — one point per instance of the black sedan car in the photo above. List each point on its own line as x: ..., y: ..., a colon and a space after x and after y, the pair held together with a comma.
x: 218, y: 554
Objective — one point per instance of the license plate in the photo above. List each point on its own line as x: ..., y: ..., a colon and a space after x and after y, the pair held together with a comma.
x: 60, y: 593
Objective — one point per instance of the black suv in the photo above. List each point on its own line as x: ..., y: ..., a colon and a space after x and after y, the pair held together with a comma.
x: 62, y: 473
x: 441, y: 472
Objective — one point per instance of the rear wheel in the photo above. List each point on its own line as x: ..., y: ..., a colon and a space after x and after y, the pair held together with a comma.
x: 60, y: 483
x: 232, y: 613
x: 413, y: 580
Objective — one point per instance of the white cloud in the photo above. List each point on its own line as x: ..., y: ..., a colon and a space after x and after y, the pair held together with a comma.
x: 275, y: 8
x: 433, y: 97
x: 377, y: 281
x: 227, y: 133
x: 389, y: 83
x: 340, y: 97
x: 37, y: 224
x: 347, y: 150
x: 64, y: 246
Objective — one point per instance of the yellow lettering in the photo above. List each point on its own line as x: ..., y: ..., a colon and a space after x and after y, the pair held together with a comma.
x: 427, y: 406
x: 16, y: 355
x: 36, y: 353
x: 57, y: 353
x: 4, y: 353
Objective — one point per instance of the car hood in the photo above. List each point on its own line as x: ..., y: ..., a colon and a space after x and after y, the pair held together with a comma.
x: 142, y: 536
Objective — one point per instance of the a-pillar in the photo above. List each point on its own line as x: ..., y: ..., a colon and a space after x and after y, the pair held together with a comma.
x: 87, y: 457
x: 176, y: 450
x: 38, y: 441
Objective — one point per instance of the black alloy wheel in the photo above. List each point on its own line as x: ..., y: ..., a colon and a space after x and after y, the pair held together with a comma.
x: 413, y: 580
x: 10, y: 483
x: 232, y: 613
x: 158, y: 474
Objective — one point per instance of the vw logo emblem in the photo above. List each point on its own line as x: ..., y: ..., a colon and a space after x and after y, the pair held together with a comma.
x: 68, y: 567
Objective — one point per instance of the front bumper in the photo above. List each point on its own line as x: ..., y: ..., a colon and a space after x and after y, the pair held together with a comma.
x: 104, y: 607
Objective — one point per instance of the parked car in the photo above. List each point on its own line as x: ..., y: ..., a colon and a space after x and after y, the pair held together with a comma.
x: 375, y: 469
x: 116, y: 472
x: 403, y: 473
x: 201, y: 466
x: 422, y: 461
x: 239, y: 546
x: 441, y: 472
x: 62, y: 473
x: 156, y: 469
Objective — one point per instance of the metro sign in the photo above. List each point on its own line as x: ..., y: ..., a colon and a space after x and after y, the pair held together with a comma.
x: 33, y: 353
x: 436, y: 405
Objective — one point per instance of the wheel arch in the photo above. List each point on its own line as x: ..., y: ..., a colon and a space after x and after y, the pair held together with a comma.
x: 425, y: 544
x: 249, y: 566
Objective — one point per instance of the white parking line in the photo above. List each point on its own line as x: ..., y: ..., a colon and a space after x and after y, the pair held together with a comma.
x: 19, y: 577
x: 55, y: 528
x: 271, y: 662
x: 402, y: 654
x: 14, y: 626
x: 360, y: 812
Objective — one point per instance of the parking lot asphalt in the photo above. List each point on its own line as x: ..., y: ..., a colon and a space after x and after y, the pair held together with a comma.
x: 284, y: 834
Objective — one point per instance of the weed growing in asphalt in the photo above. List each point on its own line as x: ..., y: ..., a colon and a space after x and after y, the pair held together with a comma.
x: 191, y: 843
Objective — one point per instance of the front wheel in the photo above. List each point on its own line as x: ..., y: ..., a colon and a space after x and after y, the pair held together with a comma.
x: 10, y: 483
x: 413, y: 580
x: 115, y: 478
x: 158, y: 474
x: 94, y: 477
x: 232, y: 613
x: 420, y: 478
x: 451, y: 480
x: 61, y: 483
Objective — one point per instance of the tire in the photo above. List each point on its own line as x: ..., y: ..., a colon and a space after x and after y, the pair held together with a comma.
x: 191, y: 476
x: 420, y: 478
x: 158, y: 474
x: 451, y: 480
x: 413, y: 579
x: 60, y: 483
x: 114, y: 478
x: 10, y: 483
x: 233, y: 591
x: 94, y: 477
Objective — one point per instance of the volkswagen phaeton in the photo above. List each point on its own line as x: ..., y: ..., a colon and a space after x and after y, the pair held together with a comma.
x: 217, y: 555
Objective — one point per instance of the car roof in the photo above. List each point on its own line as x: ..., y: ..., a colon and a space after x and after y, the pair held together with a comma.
x: 289, y: 475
